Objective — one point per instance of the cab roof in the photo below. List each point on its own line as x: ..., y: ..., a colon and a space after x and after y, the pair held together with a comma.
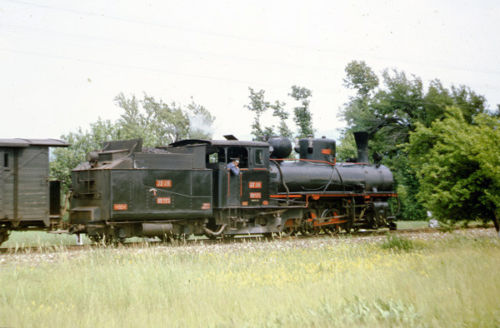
x: 219, y: 143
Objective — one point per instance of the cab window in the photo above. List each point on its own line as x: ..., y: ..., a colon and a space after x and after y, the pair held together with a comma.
x: 213, y: 158
x: 259, y: 157
x: 238, y: 152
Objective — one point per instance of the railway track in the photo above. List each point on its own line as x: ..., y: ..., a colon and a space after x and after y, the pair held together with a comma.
x: 205, y: 241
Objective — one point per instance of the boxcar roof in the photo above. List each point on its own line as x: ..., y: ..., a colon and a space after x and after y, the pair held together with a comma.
x: 19, y: 142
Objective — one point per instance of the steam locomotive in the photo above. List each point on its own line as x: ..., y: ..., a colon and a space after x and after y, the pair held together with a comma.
x: 186, y: 188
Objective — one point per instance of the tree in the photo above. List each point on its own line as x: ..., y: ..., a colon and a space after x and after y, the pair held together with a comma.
x: 280, y: 112
x: 159, y: 123
x: 458, y: 166
x: 260, y: 106
x: 63, y: 160
x: 155, y: 121
x: 390, y: 111
x: 303, y: 116
x: 346, y: 147
x: 361, y: 78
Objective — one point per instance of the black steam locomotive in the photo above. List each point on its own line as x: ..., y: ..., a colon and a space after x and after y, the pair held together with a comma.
x: 186, y: 188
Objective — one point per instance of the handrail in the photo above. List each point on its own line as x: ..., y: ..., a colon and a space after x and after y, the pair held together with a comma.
x: 305, y: 160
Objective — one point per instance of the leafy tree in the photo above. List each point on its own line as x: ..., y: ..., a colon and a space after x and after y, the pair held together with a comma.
x: 302, y: 117
x: 346, y: 147
x: 81, y: 143
x: 155, y: 121
x: 259, y: 106
x: 390, y: 111
x: 458, y: 166
x: 159, y: 123
x: 280, y: 112
x: 361, y: 78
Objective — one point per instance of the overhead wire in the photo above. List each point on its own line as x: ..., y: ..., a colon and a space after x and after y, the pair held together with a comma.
x: 163, y: 47
x: 156, y: 24
x: 155, y: 70
x: 194, y: 52
x: 231, y: 36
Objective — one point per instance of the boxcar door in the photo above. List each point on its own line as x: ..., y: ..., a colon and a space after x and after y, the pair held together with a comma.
x: 2, y: 164
x: 7, y: 187
x: 32, y: 184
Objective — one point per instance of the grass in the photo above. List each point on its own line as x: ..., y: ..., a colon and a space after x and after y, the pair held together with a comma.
x: 412, y: 224
x: 44, y: 239
x: 19, y: 239
x: 40, y: 238
x: 450, y: 281
x: 397, y: 243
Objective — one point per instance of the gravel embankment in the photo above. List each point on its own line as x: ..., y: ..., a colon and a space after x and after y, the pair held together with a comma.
x: 36, y: 256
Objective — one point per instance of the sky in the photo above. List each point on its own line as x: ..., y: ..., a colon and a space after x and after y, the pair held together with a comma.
x: 62, y: 63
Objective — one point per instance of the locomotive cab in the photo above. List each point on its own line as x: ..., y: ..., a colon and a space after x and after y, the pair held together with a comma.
x: 250, y: 186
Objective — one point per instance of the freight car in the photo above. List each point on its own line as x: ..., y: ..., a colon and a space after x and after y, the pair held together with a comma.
x: 28, y: 199
x: 186, y: 188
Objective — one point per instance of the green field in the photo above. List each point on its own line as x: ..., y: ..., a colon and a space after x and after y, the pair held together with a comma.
x: 439, y: 280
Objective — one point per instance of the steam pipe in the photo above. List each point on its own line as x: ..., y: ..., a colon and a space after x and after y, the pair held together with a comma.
x: 215, y: 234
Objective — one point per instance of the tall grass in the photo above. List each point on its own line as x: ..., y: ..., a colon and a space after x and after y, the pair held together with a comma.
x: 40, y: 239
x: 449, y: 282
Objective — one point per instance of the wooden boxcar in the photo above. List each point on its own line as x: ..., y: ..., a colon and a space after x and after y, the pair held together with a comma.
x: 28, y: 199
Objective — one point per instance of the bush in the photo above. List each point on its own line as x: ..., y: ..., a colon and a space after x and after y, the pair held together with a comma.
x: 395, y: 242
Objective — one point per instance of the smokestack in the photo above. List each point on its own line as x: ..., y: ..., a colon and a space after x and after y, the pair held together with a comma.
x: 362, y: 144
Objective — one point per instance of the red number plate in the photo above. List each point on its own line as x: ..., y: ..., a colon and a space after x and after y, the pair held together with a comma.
x: 163, y: 200
x: 255, y: 184
x: 120, y: 207
x: 163, y: 183
x: 255, y: 195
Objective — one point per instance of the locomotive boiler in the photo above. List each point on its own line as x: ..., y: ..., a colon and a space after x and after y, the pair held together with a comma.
x: 186, y: 188
x: 339, y: 195
x: 317, y: 170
